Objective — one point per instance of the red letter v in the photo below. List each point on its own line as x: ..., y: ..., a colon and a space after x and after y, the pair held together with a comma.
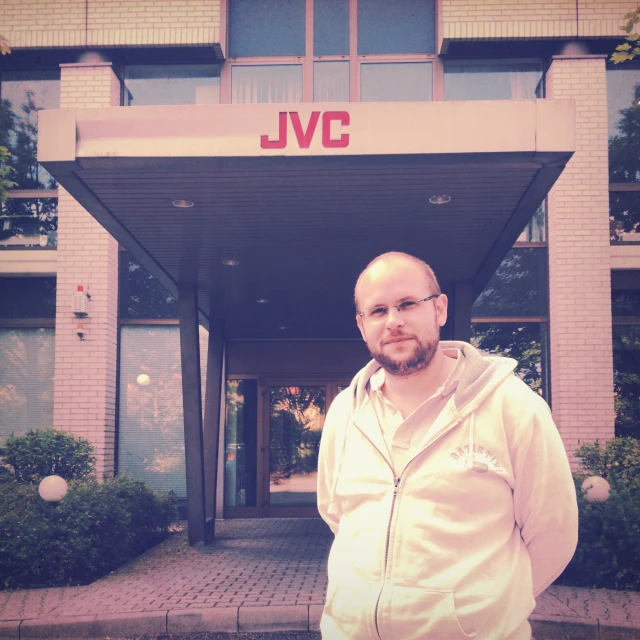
x: 304, y: 137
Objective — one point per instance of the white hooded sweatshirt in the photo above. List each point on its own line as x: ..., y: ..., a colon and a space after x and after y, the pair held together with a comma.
x: 456, y: 545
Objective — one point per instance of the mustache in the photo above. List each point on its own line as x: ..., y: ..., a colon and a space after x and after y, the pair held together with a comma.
x: 399, y: 336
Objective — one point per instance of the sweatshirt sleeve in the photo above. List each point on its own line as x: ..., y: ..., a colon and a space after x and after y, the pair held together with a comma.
x: 333, y: 434
x: 545, y: 499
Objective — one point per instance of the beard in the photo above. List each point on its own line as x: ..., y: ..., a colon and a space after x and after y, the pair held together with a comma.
x: 419, y: 360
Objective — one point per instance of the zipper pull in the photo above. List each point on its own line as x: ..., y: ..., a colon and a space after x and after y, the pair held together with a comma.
x: 396, y: 483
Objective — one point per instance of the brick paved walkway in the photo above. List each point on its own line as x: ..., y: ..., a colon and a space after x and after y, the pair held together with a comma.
x: 259, y: 563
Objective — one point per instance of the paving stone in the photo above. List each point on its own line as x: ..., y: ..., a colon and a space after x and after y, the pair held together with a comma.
x: 221, y: 620
x: 273, y: 618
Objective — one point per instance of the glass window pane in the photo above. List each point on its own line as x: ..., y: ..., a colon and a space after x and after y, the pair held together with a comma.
x: 141, y: 295
x: 395, y: 82
x: 26, y: 380
x: 624, y: 216
x: 626, y: 302
x: 296, y: 418
x: 266, y: 28
x: 536, y: 229
x: 172, y: 84
x: 23, y: 94
x: 493, y: 79
x: 623, y: 105
x: 241, y: 448
x: 518, y: 288
x: 266, y: 83
x: 331, y: 27
x: 402, y: 26
x: 626, y: 379
x: 29, y: 222
x: 27, y: 297
x: 150, y: 418
x: 331, y: 81
x: 527, y: 343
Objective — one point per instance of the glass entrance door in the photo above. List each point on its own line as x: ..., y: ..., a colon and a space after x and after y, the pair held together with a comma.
x: 294, y: 412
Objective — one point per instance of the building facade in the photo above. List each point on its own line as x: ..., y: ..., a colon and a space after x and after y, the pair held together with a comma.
x: 265, y: 151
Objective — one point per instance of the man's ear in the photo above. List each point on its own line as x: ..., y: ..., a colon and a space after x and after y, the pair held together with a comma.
x: 442, y: 305
x: 360, y: 324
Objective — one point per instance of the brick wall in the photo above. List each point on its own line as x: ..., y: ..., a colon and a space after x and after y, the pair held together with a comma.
x: 579, y: 261
x: 85, y: 370
x: 511, y: 19
x: 98, y: 23
x: 603, y: 17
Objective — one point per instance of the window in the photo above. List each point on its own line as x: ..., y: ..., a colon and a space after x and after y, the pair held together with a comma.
x: 27, y: 298
x: 510, y: 316
x: 29, y: 217
x: 266, y: 28
x: 241, y: 449
x: 625, y: 308
x: 493, y: 79
x: 266, y: 83
x: 278, y: 55
x: 150, y: 418
x: 26, y: 379
x: 23, y: 94
x: 27, y: 336
x: 623, y: 106
x: 405, y: 26
x: 141, y: 295
x: 395, y: 82
x: 172, y: 84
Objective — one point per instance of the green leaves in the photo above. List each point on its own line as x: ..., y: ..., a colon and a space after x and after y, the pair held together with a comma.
x: 625, y: 51
x: 93, y: 530
x: 38, y: 454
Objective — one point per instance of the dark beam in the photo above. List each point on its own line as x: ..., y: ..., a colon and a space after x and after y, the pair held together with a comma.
x: 192, y: 409
x: 211, y: 431
x: 461, y: 308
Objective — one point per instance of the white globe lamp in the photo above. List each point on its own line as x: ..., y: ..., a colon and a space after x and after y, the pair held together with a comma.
x: 143, y: 380
x: 52, y: 488
x: 596, y: 489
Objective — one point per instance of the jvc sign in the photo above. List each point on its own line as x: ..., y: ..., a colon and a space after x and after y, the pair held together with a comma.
x: 304, y: 135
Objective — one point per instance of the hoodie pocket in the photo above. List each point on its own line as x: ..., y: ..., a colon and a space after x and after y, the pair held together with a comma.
x: 416, y: 613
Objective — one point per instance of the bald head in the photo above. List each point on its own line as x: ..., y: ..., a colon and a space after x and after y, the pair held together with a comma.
x: 392, y: 258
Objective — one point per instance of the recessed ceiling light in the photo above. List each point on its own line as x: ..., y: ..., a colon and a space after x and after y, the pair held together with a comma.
x: 231, y: 263
x: 183, y: 204
x: 262, y: 300
x: 441, y: 198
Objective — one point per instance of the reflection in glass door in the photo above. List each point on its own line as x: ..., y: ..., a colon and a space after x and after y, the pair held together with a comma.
x: 296, y: 418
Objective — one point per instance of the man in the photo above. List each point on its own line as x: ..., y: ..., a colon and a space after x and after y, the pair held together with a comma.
x: 442, y: 476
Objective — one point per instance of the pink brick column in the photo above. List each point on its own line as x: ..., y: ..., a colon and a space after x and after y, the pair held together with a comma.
x: 85, y: 370
x: 579, y: 261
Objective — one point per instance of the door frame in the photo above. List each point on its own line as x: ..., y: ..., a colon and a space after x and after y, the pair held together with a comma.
x: 263, y: 509
x: 331, y: 384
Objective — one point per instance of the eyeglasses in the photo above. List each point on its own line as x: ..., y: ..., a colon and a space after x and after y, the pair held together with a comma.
x: 405, y: 307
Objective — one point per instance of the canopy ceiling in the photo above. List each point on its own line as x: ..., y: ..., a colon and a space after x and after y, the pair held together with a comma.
x: 303, y: 220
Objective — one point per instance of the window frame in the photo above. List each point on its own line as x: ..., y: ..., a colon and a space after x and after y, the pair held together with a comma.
x: 355, y: 60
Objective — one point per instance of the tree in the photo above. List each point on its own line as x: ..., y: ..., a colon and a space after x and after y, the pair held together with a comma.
x: 628, y: 50
x: 5, y: 169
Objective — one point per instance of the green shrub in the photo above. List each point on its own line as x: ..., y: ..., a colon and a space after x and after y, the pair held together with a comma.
x: 608, y: 553
x: 93, y: 530
x: 618, y: 459
x: 38, y: 454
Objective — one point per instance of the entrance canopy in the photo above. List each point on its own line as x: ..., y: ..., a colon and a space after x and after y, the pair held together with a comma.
x: 304, y: 195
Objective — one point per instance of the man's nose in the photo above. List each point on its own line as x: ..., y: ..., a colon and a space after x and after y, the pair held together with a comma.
x: 394, y: 318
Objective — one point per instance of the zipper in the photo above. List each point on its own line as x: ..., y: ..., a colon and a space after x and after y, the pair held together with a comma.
x: 396, y: 484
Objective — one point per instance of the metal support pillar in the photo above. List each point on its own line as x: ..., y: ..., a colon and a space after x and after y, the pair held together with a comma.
x: 462, y: 303
x: 211, y: 432
x: 192, y: 409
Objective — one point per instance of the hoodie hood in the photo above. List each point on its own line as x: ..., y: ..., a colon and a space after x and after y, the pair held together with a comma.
x: 481, y: 375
